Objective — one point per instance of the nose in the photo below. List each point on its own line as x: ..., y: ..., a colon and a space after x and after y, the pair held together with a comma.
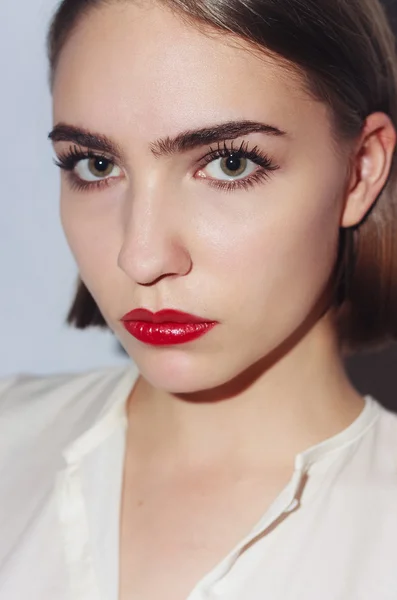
x: 153, y: 246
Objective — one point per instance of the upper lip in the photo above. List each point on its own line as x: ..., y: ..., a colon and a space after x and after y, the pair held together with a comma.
x: 163, y: 316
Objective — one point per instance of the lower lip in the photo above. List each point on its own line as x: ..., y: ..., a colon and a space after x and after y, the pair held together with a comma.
x: 166, y: 334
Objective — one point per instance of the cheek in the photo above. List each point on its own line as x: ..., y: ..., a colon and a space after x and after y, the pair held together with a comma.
x: 281, y: 264
x: 89, y: 240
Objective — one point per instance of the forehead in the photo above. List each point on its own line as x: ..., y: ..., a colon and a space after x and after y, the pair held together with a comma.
x: 142, y: 65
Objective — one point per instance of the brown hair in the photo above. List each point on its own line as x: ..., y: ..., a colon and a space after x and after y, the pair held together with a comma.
x: 346, y: 51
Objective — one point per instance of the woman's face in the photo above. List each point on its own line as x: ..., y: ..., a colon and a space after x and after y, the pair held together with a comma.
x: 250, y: 244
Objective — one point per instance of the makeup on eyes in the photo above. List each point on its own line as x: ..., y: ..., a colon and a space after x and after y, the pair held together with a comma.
x: 229, y: 157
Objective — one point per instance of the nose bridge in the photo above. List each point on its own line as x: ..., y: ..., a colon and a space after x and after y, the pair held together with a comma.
x: 151, y: 245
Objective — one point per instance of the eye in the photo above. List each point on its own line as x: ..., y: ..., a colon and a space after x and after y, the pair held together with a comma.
x: 96, y: 168
x: 87, y: 170
x: 231, y: 167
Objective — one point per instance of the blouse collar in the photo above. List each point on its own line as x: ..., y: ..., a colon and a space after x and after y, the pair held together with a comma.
x: 113, y: 415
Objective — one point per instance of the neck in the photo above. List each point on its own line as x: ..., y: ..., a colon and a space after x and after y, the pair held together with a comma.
x: 303, y: 399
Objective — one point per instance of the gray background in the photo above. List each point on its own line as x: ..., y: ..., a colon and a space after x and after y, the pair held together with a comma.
x: 37, y: 271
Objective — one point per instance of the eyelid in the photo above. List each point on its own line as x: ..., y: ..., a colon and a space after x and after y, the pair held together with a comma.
x: 256, y: 155
x: 69, y: 158
x: 68, y: 161
x: 265, y: 167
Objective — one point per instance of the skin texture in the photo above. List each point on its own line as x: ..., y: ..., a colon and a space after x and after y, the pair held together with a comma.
x: 160, y: 236
x: 221, y: 418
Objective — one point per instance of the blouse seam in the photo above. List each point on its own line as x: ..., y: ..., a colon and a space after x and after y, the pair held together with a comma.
x: 75, y: 535
x: 344, y: 445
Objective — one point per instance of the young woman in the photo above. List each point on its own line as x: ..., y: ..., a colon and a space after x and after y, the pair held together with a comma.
x: 229, y: 195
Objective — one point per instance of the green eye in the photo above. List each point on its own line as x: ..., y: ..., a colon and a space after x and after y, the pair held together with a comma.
x: 233, y: 165
x: 100, y: 167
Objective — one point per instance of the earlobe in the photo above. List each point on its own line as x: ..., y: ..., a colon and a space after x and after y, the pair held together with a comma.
x: 371, y: 167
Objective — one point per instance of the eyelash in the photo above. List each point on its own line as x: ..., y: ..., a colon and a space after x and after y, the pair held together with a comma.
x: 255, y: 155
x: 69, y: 160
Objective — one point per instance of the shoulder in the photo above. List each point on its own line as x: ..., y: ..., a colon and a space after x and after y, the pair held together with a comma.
x: 46, y: 393
x: 40, y: 416
x: 384, y: 441
x: 371, y: 465
x: 53, y: 409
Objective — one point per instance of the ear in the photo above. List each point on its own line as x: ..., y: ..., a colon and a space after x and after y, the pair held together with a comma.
x: 370, y: 167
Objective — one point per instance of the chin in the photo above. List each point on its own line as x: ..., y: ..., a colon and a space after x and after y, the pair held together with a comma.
x: 178, y: 372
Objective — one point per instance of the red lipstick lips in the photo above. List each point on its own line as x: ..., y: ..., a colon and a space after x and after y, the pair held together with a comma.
x: 164, y: 328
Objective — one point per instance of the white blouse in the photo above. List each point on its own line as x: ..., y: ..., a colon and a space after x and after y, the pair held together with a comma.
x: 331, y: 535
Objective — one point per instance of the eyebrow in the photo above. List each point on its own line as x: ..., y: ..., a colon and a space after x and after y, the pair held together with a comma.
x: 187, y: 140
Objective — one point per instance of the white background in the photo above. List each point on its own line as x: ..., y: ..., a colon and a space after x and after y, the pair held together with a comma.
x: 37, y: 270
